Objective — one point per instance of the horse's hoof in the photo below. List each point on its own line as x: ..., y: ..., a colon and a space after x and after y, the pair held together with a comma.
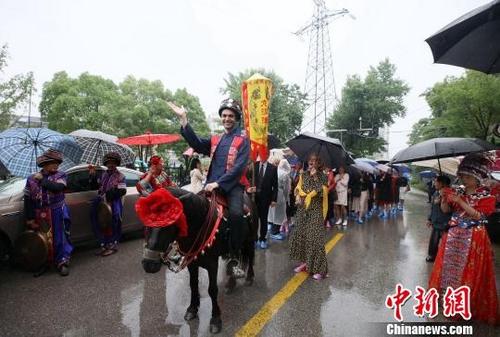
x: 231, y: 283
x: 151, y: 266
x: 215, y: 325
x: 249, y: 282
x: 191, y: 314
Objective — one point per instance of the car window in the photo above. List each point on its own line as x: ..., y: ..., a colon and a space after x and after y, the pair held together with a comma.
x: 131, y: 178
x: 12, y: 186
x: 78, y: 181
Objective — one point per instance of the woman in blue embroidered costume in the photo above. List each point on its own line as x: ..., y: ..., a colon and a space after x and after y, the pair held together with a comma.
x: 46, y: 210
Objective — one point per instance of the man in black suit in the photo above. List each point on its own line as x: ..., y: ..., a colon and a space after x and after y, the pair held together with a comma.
x: 266, y: 193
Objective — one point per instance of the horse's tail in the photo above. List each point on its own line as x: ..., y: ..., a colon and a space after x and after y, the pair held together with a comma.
x: 248, y: 248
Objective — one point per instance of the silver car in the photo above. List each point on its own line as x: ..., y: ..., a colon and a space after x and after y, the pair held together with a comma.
x: 79, y: 197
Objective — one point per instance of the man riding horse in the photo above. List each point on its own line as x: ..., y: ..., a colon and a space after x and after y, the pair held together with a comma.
x: 230, y: 154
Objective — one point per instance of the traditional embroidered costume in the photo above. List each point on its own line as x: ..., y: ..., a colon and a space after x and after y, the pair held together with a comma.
x: 44, y: 203
x: 112, y: 188
x: 465, y: 256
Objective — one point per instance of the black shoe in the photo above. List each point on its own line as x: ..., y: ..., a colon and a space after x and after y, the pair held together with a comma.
x: 41, y: 271
x: 64, y: 270
x: 429, y: 259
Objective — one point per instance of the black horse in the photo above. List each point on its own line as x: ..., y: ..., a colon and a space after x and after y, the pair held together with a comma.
x: 197, y: 209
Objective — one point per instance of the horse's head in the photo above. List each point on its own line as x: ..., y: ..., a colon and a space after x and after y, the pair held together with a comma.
x: 158, y: 239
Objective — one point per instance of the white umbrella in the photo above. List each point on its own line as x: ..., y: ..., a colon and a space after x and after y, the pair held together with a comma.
x: 363, y: 166
x: 448, y: 165
x: 383, y: 168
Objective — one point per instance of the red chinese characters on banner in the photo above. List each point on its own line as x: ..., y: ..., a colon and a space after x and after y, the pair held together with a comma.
x: 397, y: 300
x: 457, y: 302
x: 427, y: 302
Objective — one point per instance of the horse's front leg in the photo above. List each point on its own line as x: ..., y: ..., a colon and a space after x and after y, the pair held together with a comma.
x: 213, y: 290
x: 192, y: 310
x: 250, y: 250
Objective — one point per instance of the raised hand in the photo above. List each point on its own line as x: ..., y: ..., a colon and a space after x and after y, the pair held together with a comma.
x: 180, y: 112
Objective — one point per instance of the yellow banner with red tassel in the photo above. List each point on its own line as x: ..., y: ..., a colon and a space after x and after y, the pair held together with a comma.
x: 256, y: 98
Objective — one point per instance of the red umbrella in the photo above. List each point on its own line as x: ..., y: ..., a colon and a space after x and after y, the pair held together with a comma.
x: 150, y: 139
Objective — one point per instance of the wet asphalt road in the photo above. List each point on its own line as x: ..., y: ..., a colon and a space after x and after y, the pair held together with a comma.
x: 112, y: 296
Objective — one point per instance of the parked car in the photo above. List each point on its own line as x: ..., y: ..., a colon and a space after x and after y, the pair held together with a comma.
x: 79, y: 197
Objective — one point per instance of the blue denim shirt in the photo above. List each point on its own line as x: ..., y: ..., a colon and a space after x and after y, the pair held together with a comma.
x: 217, y: 171
x: 438, y: 218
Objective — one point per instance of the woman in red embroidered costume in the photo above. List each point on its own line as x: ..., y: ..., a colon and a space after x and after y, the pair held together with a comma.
x: 155, y: 178
x: 465, y: 257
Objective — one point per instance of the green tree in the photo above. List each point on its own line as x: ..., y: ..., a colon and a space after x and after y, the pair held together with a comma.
x: 287, y: 103
x: 14, y: 91
x: 465, y: 106
x: 133, y: 107
x: 83, y: 103
x: 377, y: 99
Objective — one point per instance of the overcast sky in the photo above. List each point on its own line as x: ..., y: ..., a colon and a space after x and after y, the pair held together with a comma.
x: 195, y: 43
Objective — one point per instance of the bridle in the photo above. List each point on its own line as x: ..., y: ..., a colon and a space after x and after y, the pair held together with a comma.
x: 175, y: 258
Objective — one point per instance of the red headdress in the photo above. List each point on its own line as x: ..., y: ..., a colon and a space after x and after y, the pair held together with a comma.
x: 161, y: 209
x: 155, y: 160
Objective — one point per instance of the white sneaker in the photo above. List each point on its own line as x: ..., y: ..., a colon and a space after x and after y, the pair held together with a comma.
x: 339, y: 221
x: 344, y: 224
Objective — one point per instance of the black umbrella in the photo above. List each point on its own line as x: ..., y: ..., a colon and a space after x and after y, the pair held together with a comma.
x: 441, y: 148
x: 330, y: 150
x: 471, y: 41
x: 273, y: 142
x: 354, y: 172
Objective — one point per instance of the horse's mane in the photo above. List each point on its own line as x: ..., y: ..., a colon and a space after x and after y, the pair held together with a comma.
x: 195, y: 206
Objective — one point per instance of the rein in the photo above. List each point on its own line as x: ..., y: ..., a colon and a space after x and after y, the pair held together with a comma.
x: 205, y: 236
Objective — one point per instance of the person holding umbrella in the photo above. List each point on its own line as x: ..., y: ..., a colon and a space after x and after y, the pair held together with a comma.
x: 307, y: 241
x: 46, y: 210
x: 465, y: 256
x: 111, y: 188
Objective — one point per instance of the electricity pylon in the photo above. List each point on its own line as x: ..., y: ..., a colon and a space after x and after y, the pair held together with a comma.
x: 320, y: 80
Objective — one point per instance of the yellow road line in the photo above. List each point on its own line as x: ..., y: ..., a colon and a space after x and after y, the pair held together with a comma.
x: 260, y: 319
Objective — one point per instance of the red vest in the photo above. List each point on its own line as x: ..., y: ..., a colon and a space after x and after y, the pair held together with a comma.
x: 231, y: 156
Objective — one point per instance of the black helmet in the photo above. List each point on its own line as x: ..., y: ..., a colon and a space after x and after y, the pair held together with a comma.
x: 112, y: 156
x: 232, y: 105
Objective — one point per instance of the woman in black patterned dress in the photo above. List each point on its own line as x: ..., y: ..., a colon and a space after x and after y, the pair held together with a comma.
x: 307, y: 241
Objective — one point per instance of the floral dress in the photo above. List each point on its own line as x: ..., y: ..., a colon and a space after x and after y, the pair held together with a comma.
x: 307, y: 241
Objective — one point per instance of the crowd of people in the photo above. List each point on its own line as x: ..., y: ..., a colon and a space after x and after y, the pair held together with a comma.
x: 310, y: 197
x: 301, y: 201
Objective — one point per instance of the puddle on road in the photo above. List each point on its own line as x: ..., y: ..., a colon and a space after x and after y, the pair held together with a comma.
x: 131, y: 308
x: 178, y: 296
